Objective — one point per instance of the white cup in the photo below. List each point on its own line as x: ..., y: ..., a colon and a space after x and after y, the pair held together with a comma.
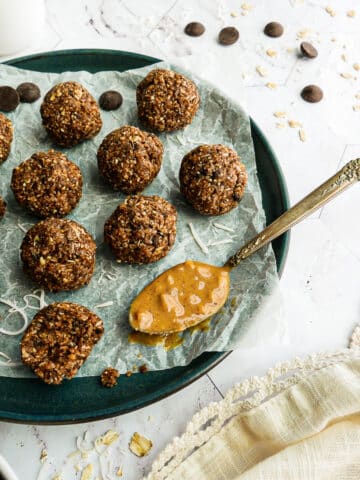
x: 21, y: 22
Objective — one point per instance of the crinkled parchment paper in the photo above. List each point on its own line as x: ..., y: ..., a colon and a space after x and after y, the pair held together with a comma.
x: 218, y: 121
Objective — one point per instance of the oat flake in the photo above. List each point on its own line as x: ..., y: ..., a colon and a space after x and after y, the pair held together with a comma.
x: 140, y: 445
x: 294, y: 124
x: 87, y: 472
x: 346, y: 75
x: 302, y: 135
x: 261, y: 71
x: 271, y: 53
x: 330, y: 11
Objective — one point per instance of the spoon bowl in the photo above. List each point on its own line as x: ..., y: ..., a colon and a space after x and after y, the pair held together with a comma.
x: 179, y: 298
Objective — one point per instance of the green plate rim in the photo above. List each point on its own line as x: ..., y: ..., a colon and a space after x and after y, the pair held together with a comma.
x: 198, y: 367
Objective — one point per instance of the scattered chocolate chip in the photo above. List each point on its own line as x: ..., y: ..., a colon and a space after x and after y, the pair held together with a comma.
x: 194, y: 29
x: 110, y: 100
x: 28, y: 92
x: 9, y: 98
x: 228, y: 35
x: 312, y: 93
x: 274, y: 29
x: 308, y: 50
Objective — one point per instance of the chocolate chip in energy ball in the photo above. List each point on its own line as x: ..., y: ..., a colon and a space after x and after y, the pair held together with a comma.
x: 194, y: 29
x: 9, y: 98
x: 110, y: 100
x: 228, y: 35
x: 308, y: 50
x: 28, y: 92
x: 274, y: 29
x: 312, y: 94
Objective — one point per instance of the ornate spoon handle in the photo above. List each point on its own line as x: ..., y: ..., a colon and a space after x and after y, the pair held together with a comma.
x: 345, y: 177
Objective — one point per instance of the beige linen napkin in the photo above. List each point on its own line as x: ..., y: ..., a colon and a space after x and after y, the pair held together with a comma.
x: 301, y: 421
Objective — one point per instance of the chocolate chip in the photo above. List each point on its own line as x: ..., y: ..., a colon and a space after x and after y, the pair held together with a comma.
x: 194, y: 29
x: 274, y: 29
x: 308, y: 50
x: 9, y: 99
x: 312, y: 93
x: 28, y: 92
x: 110, y: 100
x: 228, y: 35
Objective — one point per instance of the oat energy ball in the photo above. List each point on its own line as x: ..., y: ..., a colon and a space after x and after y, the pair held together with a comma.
x: 48, y: 184
x: 2, y: 207
x: 212, y: 179
x: 59, y: 340
x: 6, y: 136
x: 129, y: 159
x: 166, y: 100
x: 141, y: 230
x: 58, y: 254
x: 70, y: 114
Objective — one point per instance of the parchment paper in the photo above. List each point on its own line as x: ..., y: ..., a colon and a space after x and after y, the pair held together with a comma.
x: 219, y: 120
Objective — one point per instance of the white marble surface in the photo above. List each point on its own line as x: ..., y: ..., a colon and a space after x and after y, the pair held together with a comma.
x: 321, y: 281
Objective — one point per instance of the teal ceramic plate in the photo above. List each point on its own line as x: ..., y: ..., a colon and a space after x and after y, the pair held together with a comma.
x: 83, y: 399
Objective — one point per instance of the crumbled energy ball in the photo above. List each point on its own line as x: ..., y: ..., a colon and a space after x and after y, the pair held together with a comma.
x: 59, y: 340
x: 109, y: 377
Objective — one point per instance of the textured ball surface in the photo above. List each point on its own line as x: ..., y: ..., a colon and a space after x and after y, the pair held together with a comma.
x: 212, y: 179
x: 141, y: 230
x: 129, y: 159
x: 58, y: 254
x: 70, y: 114
x: 167, y: 100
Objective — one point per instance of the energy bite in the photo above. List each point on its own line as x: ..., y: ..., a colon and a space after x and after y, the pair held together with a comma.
x: 6, y: 136
x: 129, y: 159
x: 59, y: 340
x: 141, y: 230
x: 48, y: 184
x: 58, y: 254
x: 70, y: 114
x: 167, y: 100
x: 212, y: 179
x: 2, y: 207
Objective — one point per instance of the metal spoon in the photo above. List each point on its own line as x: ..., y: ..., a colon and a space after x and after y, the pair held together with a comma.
x: 190, y: 292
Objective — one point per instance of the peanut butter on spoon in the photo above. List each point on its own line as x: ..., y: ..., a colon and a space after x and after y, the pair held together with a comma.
x: 180, y: 298
x: 188, y: 293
